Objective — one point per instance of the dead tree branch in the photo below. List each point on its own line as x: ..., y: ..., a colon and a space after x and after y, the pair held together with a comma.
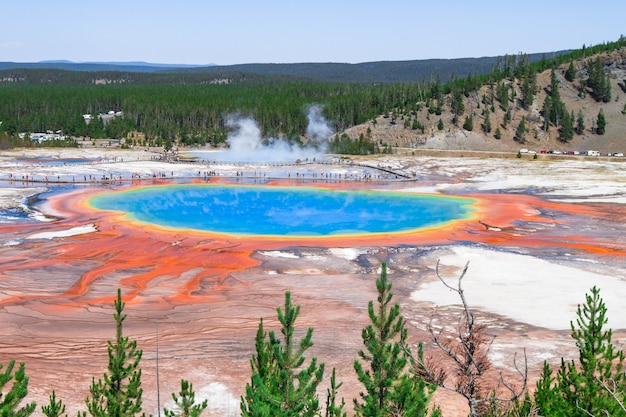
x: 464, y: 371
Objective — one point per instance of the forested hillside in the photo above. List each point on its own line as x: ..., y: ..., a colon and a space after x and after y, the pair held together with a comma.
x: 366, y: 72
x: 191, y: 113
x: 422, y: 71
x: 191, y: 108
x: 568, y: 105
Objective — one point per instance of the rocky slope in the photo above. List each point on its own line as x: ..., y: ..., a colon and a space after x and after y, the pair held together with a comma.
x: 456, y: 138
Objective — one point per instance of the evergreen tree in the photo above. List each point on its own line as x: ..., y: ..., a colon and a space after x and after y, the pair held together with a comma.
x: 545, y: 111
x: 520, y: 132
x: 598, y: 81
x: 497, y: 134
x: 390, y: 390
x: 168, y: 145
x: 507, y: 117
x: 279, y: 385
x: 519, y: 408
x: 570, y: 74
x: 332, y: 409
x: 417, y: 125
x: 502, y: 95
x: 54, y: 408
x: 10, y: 400
x: 255, y: 402
x: 487, y: 124
x: 186, y: 403
x: 528, y: 87
x: 547, y: 396
x: 566, y: 133
x: 469, y: 123
x: 440, y: 125
x: 456, y: 102
x: 119, y: 392
x: 601, y: 123
x: 596, y: 385
x: 599, y: 361
x: 553, y: 107
x: 580, y: 123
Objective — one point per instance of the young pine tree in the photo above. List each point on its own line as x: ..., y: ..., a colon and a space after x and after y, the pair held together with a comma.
x: 594, y: 386
x: 553, y: 106
x: 186, y: 403
x: 10, y: 400
x: 256, y: 402
x: 527, y: 88
x: 520, y: 132
x: 469, y: 123
x: 390, y: 390
x: 547, y: 395
x: 54, y: 408
x: 566, y: 132
x: 332, y: 408
x: 280, y: 386
x: 601, y: 123
x: 600, y: 362
x: 118, y: 393
x: 487, y: 124
x: 580, y: 123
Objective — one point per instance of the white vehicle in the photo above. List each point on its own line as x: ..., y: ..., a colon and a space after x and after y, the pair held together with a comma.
x: 523, y: 151
x: 618, y: 154
x: 593, y: 153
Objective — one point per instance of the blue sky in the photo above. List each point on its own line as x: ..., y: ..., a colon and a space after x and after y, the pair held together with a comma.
x: 281, y: 31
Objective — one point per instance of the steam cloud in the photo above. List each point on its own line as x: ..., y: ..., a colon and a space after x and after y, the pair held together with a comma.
x: 318, y: 129
x: 246, y: 144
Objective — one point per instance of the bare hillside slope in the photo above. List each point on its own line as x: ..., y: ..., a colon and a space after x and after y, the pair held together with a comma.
x: 400, y: 134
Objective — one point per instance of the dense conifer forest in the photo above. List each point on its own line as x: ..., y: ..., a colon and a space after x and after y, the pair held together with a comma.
x: 189, y: 108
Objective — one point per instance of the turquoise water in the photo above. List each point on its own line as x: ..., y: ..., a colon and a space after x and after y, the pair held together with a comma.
x: 284, y: 211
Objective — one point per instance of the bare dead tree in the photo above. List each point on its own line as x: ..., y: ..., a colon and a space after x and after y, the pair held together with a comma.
x: 465, y: 363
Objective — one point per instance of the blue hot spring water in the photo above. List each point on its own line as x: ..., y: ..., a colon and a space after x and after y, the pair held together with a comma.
x: 283, y: 211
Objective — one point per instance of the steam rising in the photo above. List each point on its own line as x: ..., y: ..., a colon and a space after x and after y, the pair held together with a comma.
x: 318, y: 129
x: 246, y: 144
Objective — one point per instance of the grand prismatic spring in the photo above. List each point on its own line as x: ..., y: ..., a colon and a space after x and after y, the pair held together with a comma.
x: 282, y: 211
x: 538, y: 235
